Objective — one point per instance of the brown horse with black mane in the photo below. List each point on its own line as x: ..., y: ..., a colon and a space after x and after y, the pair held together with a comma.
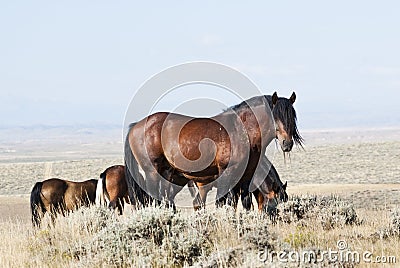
x: 164, y: 150
x: 268, y: 194
x: 59, y: 196
x: 112, y: 189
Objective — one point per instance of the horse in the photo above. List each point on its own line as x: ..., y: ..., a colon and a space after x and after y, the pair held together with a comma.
x: 268, y: 194
x: 180, y: 148
x: 271, y: 192
x: 112, y: 189
x: 285, y: 118
x: 60, y: 196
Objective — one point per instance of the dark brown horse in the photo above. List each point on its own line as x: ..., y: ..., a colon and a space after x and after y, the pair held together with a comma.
x: 59, y: 196
x: 164, y: 150
x: 112, y: 188
x: 271, y: 191
x: 285, y: 120
x: 268, y: 194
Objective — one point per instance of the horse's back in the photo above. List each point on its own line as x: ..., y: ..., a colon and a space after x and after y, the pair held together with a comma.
x: 80, y: 193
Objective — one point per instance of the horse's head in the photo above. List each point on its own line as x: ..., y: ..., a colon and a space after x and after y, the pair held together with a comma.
x: 285, y: 122
x: 276, y: 195
x: 273, y: 189
x: 281, y: 194
x: 278, y: 192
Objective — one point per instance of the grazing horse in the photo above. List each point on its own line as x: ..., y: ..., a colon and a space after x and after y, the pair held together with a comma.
x: 271, y: 191
x: 59, y: 196
x: 268, y: 194
x: 226, y: 147
x: 112, y: 188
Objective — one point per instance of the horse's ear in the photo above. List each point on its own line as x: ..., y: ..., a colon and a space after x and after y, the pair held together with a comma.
x: 284, y: 186
x: 293, y: 97
x: 274, y: 98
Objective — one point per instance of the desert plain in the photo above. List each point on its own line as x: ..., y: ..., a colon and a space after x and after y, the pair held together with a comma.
x: 361, y: 166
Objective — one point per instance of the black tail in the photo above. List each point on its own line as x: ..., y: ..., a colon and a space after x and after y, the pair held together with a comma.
x: 138, y: 197
x: 37, y: 206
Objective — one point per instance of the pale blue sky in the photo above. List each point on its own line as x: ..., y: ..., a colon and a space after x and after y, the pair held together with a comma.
x: 80, y: 62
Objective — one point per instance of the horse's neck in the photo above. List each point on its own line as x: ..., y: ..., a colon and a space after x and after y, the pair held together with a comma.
x: 241, y: 122
x: 257, y: 121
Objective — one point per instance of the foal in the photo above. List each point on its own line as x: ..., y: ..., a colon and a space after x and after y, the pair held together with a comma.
x: 269, y: 192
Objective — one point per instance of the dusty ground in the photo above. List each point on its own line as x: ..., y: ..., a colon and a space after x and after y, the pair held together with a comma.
x: 359, y: 165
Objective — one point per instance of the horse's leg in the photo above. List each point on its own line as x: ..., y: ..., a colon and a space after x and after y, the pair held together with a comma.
x: 193, y: 189
x: 201, y: 197
x: 260, y: 200
x: 246, y: 196
x: 51, y: 208
x: 225, y: 193
x: 120, y: 206
x: 195, y: 193
x: 114, y: 204
x: 164, y: 189
x: 221, y: 201
x: 122, y: 190
x: 172, y: 191
x: 54, y: 210
x: 154, y: 187
x: 197, y: 202
x: 175, y: 183
x: 233, y: 197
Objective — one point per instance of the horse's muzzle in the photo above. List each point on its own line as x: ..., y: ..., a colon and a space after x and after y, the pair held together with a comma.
x: 287, y: 145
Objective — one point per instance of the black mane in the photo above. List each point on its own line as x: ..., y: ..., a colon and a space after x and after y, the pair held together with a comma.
x: 283, y: 111
x: 254, y: 101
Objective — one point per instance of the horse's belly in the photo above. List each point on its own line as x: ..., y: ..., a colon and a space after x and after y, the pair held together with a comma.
x: 209, y: 174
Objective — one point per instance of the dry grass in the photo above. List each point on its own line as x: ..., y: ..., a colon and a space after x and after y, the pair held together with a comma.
x: 154, y: 237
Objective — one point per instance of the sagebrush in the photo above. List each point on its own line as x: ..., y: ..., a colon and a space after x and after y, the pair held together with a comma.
x: 157, y: 237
